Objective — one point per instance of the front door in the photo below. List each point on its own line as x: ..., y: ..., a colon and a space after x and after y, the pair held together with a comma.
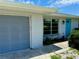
x: 68, y: 26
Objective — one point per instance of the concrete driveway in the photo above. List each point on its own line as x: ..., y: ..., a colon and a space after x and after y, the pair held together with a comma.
x: 41, y: 53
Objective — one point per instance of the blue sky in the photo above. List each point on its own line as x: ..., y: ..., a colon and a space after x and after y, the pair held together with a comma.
x: 64, y: 6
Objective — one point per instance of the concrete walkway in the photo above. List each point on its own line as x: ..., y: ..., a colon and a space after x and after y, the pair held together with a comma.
x: 41, y: 53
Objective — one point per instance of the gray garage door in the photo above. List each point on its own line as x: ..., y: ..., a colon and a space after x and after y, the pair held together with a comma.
x: 14, y: 33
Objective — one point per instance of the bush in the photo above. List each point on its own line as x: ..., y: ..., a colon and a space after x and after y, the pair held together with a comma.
x: 73, y: 39
x: 48, y: 41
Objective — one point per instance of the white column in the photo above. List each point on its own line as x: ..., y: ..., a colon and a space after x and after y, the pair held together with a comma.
x: 61, y: 28
x: 36, y: 31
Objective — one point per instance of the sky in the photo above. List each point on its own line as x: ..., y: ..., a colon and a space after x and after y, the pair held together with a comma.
x: 63, y: 6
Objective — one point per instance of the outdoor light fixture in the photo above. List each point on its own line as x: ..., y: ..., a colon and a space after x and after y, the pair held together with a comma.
x: 63, y: 21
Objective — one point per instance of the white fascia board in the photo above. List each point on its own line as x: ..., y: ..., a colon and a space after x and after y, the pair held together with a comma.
x: 64, y: 15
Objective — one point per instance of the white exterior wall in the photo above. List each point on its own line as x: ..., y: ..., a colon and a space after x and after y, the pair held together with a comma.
x: 74, y: 24
x: 36, y: 31
x: 61, y: 28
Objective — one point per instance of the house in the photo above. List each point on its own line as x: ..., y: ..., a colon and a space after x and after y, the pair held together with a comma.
x: 24, y: 26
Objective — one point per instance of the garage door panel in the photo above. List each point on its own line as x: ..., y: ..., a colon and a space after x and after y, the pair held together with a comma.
x: 19, y: 46
x: 4, y: 34
x: 23, y: 39
x: 14, y: 33
x: 3, y: 28
x: 4, y: 46
x: 4, y: 49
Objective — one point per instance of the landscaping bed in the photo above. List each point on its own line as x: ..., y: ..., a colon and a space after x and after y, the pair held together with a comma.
x: 52, y: 41
x: 68, y: 54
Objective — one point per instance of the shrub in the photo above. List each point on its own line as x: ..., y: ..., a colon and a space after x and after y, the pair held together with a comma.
x: 47, y: 41
x: 73, y: 39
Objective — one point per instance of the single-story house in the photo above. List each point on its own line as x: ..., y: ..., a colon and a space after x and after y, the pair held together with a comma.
x: 24, y: 26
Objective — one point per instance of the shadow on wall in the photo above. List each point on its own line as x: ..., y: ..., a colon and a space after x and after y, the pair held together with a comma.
x: 30, y: 53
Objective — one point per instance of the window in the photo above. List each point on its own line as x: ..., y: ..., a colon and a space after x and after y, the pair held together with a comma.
x: 47, y: 27
x: 54, y: 26
x: 50, y: 26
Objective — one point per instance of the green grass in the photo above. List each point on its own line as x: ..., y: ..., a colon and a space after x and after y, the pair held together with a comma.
x: 70, y: 57
x: 70, y: 49
x: 77, y: 51
x: 56, y: 57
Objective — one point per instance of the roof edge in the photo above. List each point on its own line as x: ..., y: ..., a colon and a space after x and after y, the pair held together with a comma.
x: 29, y: 6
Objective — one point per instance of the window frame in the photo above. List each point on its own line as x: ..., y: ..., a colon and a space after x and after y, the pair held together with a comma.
x: 51, y: 26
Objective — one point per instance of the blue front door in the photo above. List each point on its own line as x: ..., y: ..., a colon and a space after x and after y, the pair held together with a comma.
x: 68, y: 26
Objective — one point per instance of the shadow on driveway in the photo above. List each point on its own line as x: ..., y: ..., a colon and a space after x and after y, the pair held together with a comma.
x: 30, y: 53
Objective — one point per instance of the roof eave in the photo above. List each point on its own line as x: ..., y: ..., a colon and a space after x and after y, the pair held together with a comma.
x: 26, y: 7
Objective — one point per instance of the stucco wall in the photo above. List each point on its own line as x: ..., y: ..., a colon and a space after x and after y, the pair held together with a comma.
x: 74, y: 24
x: 61, y: 28
x: 36, y: 31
